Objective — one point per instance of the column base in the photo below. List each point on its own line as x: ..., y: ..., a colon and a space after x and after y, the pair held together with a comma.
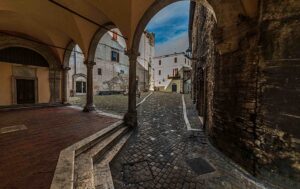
x: 66, y: 103
x: 130, y: 119
x: 89, y: 108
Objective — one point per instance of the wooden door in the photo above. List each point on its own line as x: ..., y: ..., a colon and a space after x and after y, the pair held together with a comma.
x: 25, y: 91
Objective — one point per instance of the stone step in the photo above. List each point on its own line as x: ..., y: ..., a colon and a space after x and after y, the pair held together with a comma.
x: 65, y: 169
x: 102, y: 175
x: 84, y: 169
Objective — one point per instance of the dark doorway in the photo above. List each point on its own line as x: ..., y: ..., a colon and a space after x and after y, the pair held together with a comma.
x: 25, y: 91
x: 174, y: 88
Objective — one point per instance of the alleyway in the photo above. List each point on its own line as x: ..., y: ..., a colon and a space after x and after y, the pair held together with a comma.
x: 163, y: 154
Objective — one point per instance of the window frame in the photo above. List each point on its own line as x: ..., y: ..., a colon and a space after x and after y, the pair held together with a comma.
x: 117, y: 56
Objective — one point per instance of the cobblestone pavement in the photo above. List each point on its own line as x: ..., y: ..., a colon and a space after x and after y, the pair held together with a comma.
x: 162, y: 154
x: 28, y: 157
x: 115, y: 104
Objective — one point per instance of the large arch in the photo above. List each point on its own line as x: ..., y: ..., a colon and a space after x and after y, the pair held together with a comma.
x: 157, y: 6
x: 7, y: 41
x: 95, y: 40
x: 227, y: 21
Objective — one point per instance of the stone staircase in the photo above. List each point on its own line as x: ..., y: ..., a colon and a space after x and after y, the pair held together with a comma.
x: 86, y: 163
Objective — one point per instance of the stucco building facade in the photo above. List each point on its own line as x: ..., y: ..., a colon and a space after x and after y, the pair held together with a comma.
x: 111, y: 70
x: 171, y: 73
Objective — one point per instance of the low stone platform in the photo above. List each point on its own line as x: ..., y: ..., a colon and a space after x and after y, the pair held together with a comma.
x: 29, y: 155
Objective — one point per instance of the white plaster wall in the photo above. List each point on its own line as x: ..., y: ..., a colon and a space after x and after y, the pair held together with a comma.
x: 109, y: 68
x: 144, y: 71
x: 167, y: 66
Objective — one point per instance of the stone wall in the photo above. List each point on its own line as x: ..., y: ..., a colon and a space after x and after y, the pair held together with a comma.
x: 251, y: 94
x: 278, y: 134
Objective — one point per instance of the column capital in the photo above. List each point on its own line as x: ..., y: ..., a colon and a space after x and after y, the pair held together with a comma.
x: 89, y: 64
x: 132, y: 54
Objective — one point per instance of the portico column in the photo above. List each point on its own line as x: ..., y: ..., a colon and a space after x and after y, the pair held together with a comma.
x: 65, y: 85
x: 89, y: 92
x: 131, y: 115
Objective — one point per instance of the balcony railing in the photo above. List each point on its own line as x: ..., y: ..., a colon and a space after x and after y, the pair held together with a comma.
x: 177, y: 76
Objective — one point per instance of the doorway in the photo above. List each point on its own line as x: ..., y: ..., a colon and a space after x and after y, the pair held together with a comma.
x: 174, y: 88
x: 25, y: 91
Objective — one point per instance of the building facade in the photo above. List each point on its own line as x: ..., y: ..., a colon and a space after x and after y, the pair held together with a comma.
x: 110, y: 74
x: 144, y: 66
x: 171, y: 73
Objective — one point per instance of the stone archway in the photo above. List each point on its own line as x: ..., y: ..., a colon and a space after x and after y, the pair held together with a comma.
x: 90, y: 62
x: 7, y: 41
x: 66, y: 68
x: 96, y: 38
x: 157, y: 6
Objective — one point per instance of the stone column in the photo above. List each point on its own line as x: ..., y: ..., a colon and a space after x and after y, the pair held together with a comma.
x: 130, y: 118
x: 89, y: 91
x: 55, y: 85
x: 65, y: 85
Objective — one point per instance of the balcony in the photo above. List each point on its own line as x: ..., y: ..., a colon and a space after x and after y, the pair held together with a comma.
x: 177, y: 76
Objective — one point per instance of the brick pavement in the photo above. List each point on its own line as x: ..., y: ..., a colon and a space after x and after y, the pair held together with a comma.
x: 162, y: 154
x: 28, y: 157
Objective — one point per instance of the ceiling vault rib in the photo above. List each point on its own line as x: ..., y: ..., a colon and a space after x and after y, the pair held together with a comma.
x: 39, y: 42
x: 84, y: 17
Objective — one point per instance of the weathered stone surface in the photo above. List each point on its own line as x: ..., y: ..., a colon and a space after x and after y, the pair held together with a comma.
x: 251, y: 95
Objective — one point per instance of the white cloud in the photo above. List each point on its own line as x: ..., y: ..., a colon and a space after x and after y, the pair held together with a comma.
x: 177, y: 44
x: 171, y: 11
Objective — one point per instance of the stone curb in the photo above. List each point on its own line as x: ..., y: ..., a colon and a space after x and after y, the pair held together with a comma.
x: 64, y: 172
x: 186, y: 120
x: 140, y: 103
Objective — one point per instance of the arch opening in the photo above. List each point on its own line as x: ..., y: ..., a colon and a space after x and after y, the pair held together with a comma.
x: 24, y: 77
x: 227, y: 58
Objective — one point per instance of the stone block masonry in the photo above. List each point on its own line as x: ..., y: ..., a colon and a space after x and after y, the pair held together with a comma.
x: 251, y: 94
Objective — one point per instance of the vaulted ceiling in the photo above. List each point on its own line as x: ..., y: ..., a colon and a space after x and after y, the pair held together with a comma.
x: 43, y: 20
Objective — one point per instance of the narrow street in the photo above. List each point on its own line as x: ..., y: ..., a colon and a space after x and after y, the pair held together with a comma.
x: 163, y: 154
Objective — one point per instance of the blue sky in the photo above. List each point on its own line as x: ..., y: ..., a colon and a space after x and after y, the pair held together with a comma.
x: 170, y: 26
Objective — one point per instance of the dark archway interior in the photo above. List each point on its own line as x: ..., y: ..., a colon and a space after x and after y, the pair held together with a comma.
x: 20, y: 55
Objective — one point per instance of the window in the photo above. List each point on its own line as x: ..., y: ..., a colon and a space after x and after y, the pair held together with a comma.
x: 80, y: 87
x: 175, y: 60
x: 114, y: 56
x: 115, y: 36
x: 99, y: 71
x: 159, y: 72
x: 122, y: 71
x: 175, y: 72
x: 159, y: 62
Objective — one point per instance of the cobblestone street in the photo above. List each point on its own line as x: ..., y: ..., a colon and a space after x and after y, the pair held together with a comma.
x: 115, y: 104
x: 163, y: 154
